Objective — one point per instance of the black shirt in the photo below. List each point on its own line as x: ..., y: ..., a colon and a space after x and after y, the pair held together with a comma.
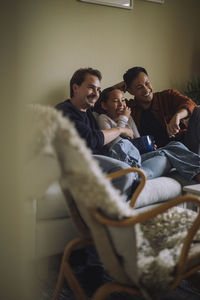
x: 85, y: 124
x: 156, y: 129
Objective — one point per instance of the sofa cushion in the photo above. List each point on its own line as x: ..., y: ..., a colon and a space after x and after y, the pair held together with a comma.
x: 158, y: 190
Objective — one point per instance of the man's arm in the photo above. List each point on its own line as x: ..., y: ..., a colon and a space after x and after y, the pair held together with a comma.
x: 180, y: 106
x: 93, y: 136
x: 110, y: 132
x: 121, y: 86
x: 85, y: 125
x: 113, y: 133
x: 173, y: 126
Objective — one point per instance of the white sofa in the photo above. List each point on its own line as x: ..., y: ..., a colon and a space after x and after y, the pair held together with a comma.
x: 54, y: 227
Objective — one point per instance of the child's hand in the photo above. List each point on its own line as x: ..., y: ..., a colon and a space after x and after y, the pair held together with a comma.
x: 126, y: 112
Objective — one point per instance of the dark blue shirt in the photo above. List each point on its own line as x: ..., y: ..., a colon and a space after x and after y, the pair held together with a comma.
x: 149, y: 125
x: 85, y: 124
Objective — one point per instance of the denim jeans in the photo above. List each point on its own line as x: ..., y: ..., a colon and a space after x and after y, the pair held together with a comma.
x: 154, y: 167
x: 127, y: 183
x: 186, y: 162
x: 159, y: 162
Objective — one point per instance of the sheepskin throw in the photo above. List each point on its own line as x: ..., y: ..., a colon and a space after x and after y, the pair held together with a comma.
x: 160, y: 242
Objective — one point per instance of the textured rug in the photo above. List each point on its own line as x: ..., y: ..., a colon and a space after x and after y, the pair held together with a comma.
x: 91, y: 275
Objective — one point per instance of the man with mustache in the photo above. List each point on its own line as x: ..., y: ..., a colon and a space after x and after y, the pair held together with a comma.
x: 84, y: 92
x: 162, y: 114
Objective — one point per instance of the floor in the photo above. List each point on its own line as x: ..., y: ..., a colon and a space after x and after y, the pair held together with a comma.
x: 91, y: 274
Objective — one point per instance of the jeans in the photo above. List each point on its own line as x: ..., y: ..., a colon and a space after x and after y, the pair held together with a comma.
x: 153, y: 167
x: 126, y: 183
x: 159, y: 162
x: 186, y: 162
x: 153, y: 164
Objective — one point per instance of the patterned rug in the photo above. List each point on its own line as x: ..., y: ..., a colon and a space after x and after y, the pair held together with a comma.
x: 91, y: 275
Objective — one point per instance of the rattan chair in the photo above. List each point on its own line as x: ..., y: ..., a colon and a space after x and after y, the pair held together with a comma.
x: 99, y: 235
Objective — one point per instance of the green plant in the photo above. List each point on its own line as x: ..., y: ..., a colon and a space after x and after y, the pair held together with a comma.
x: 193, y: 90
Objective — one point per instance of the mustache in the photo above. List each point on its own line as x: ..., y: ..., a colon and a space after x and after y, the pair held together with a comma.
x: 91, y: 96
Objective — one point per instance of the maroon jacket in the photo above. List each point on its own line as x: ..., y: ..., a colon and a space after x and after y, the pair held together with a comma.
x: 164, y: 105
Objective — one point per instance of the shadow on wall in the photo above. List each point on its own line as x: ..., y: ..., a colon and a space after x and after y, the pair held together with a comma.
x: 59, y: 94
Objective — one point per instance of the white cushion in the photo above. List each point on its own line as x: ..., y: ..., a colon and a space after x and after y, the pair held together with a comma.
x: 158, y: 190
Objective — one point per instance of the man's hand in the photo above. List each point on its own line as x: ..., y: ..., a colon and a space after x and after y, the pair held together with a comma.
x: 121, y: 86
x: 173, y: 127
x: 127, y: 132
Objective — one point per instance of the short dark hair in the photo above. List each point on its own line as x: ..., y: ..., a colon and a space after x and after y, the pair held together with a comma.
x: 103, y: 98
x: 132, y: 74
x: 79, y: 76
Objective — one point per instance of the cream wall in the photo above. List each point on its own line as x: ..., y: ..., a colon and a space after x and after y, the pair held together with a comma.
x: 42, y: 43
x: 58, y: 37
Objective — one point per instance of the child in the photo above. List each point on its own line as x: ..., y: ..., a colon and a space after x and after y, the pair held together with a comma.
x: 114, y: 113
